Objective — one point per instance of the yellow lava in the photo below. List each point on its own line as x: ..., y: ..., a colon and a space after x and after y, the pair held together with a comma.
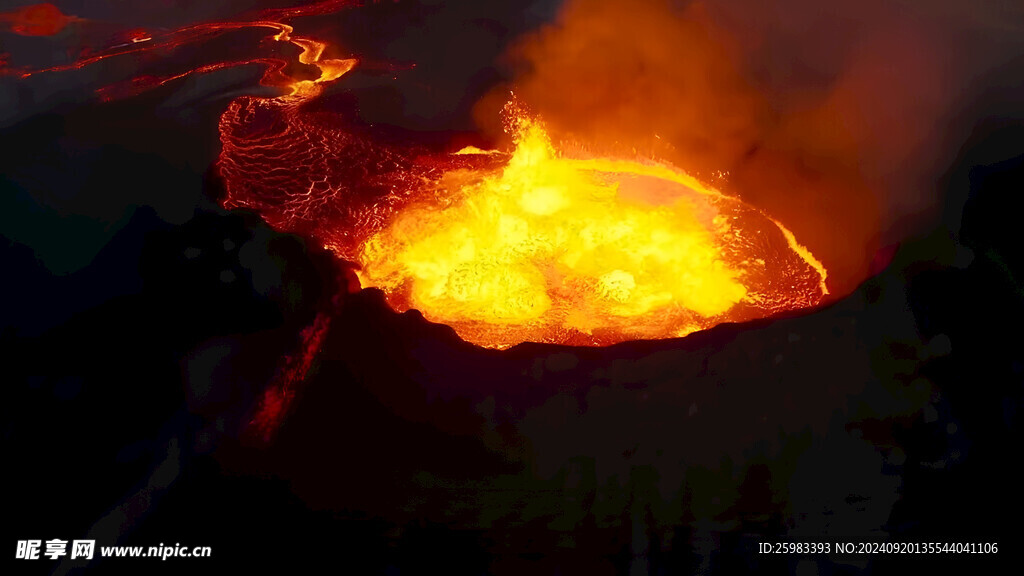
x: 553, y: 249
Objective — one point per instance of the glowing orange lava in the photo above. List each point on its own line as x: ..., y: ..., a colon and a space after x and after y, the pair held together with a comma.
x: 531, y: 245
x: 584, y: 251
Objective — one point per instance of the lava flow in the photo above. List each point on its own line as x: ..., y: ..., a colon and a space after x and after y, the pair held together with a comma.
x: 534, y: 244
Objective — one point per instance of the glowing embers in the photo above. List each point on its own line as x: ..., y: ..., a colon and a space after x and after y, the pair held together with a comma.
x: 37, y: 20
x: 584, y: 252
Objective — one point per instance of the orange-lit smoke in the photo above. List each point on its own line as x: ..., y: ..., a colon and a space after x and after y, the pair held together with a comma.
x: 829, y: 120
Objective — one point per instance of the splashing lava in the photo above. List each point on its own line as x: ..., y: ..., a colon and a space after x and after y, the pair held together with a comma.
x: 583, y: 251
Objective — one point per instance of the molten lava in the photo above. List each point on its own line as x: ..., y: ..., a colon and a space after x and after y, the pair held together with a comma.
x: 534, y: 245
x: 583, y: 251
